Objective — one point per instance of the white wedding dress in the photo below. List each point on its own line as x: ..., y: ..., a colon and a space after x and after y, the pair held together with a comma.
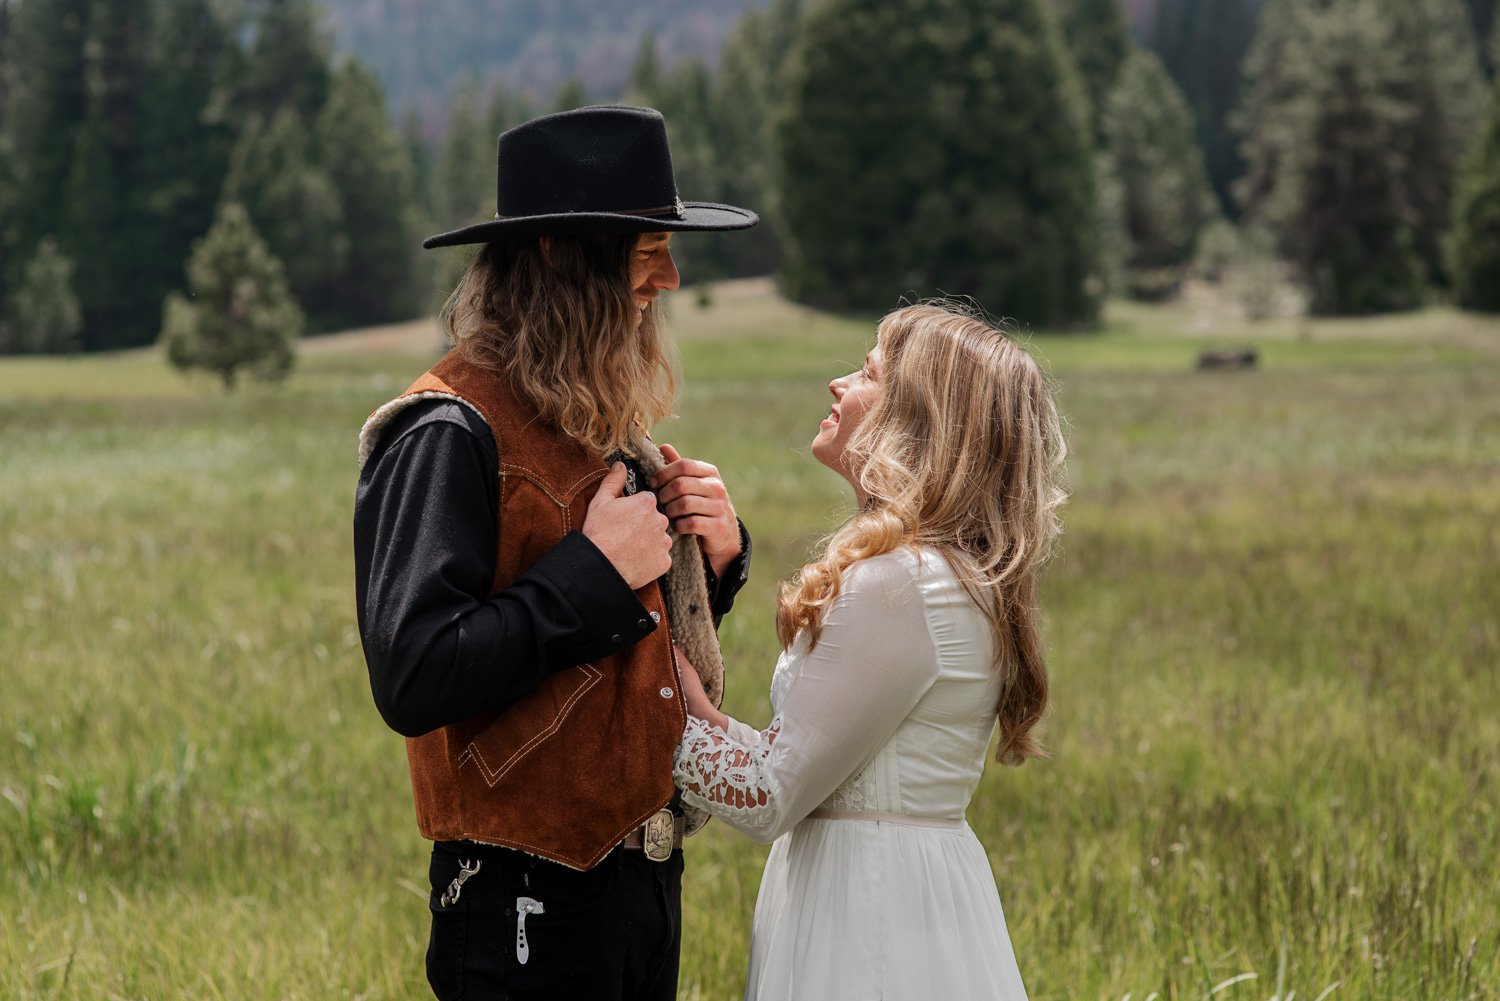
x: 876, y: 887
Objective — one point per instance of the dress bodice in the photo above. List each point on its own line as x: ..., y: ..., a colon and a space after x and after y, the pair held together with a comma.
x: 931, y: 765
x: 891, y: 711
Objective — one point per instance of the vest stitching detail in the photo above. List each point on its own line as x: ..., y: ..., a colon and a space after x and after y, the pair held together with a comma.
x: 531, y: 477
x: 491, y: 776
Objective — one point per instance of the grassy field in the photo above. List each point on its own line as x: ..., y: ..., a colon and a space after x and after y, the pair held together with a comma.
x: 1273, y: 629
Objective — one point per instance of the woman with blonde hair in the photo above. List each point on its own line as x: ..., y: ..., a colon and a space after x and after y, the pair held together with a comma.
x: 905, y: 643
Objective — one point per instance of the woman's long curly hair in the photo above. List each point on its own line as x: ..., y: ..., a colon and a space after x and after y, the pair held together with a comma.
x: 561, y: 326
x: 963, y: 453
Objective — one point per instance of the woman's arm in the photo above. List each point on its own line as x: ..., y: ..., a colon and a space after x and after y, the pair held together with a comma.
x: 873, y: 662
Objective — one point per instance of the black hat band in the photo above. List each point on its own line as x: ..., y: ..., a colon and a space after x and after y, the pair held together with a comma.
x: 674, y: 210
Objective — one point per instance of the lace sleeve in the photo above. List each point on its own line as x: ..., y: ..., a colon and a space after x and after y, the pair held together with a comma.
x: 727, y: 775
x: 873, y: 662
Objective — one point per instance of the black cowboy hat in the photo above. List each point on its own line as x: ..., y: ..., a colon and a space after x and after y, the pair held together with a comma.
x: 602, y: 169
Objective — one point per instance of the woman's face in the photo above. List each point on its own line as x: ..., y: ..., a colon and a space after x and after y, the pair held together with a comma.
x: 652, y: 270
x: 853, y: 396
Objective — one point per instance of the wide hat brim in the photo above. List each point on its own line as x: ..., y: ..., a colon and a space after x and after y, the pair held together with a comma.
x: 695, y: 217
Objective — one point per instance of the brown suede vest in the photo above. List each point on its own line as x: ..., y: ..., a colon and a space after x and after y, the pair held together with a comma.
x: 568, y: 770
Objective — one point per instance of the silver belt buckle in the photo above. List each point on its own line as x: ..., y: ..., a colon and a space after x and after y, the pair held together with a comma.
x: 656, y: 839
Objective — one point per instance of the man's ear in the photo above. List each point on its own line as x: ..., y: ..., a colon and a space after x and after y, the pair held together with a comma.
x: 545, y: 242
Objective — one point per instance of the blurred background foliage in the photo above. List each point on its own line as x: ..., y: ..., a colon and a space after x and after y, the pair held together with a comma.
x: 1039, y: 154
x: 1272, y: 624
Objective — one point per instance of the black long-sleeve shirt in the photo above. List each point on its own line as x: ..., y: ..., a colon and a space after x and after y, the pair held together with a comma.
x: 439, y: 648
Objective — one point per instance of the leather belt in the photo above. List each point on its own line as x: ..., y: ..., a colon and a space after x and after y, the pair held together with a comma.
x: 661, y: 833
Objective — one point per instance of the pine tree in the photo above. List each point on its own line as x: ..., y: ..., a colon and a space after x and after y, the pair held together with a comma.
x: 463, y: 185
x: 570, y: 95
x: 645, y: 73
x: 420, y: 154
x: 1165, y: 194
x: 43, y: 99
x: 705, y: 115
x: 1475, y: 242
x: 939, y: 146
x: 109, y: 146
x: 288, y: 61
x: 1444, y: 87
x: 744, y: 98
x: 92, y: 204
x: 115, y: 133
x: 466, y: 163
x: 1203, y: 44
x: 1418, y: 91
x: 44, y: 315
x: 507, y: 108
x: 685, y: 102
x: 1486, y: 27
x: 241, y: 315
x: 180, y: 153
x: 1328, y: 167
x: 1268, y: 88
x: 367, y: 164
x: 99, y: 198
x: 683, y: 96
x: 292, y: 203
x: 1097, y: 35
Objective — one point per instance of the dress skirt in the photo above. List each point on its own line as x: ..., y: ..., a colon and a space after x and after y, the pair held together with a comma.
x: 860, y: 910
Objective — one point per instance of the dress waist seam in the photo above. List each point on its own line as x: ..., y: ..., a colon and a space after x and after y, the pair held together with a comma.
x: 879, y: 817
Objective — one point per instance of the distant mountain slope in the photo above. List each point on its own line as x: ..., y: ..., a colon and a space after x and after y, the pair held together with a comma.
x: 1140, y: 12
x: 421, y: 49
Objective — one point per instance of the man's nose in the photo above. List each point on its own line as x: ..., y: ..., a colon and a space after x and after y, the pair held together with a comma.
x: 666, y: 277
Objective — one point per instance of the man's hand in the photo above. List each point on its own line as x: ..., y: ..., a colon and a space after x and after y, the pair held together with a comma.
x: 629, y: 531
x: 693, y: 496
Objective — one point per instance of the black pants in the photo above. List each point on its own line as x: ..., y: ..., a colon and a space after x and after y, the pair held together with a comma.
x: 525, y: 929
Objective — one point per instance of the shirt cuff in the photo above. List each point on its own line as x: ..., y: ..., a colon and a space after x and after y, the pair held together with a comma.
x: 585, y: 579
x: 721, y: 590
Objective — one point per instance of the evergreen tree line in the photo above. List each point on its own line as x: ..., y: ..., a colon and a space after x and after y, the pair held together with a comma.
x: 1028, y: 152
x: 1356, y: 118
x: 1032, y: 153
x: 128, y: 126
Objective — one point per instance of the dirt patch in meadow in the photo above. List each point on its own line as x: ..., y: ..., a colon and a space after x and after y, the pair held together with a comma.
x: 1214, y: 310
x: 752, y: 307
x: 736, y: 308
x: 412, y: 337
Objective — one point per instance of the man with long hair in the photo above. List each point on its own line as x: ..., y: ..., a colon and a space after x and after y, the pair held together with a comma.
x: 523, y: 591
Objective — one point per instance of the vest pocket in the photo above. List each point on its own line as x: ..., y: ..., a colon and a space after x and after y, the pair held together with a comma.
x: 528, y: 722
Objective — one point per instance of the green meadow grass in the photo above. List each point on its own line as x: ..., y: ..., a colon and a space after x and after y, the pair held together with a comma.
x: 1272, y: 625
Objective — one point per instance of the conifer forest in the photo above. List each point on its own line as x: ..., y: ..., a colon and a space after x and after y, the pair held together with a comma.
x: 1254, y: 245
x: 1040, y: 154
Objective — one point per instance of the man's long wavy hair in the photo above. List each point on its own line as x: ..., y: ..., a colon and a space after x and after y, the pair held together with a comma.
x: 962, y: 452
x: 561, y: 327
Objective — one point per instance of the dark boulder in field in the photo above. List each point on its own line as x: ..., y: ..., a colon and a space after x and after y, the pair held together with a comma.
x: 1228, y: 358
